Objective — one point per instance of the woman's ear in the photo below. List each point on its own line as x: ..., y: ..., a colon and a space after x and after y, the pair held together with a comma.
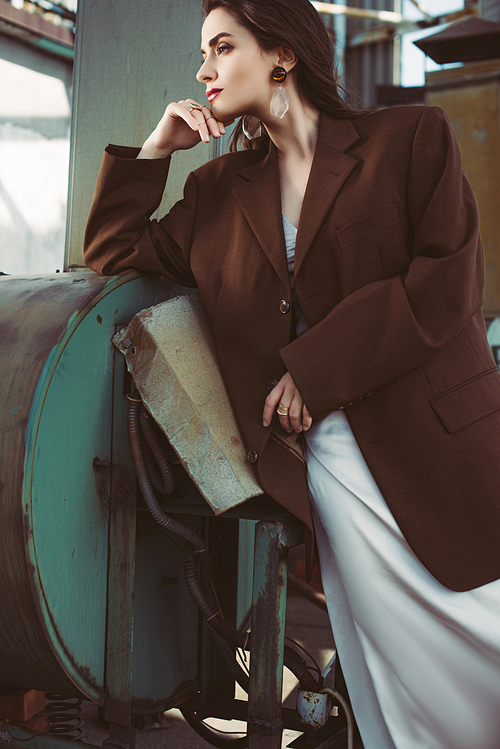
x: 287, y: 58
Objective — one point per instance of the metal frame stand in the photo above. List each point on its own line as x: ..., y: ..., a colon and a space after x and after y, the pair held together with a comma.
x: 263, y: 712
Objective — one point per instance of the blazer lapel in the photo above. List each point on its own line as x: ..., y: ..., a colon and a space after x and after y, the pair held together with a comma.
x: 329, y: 170
x: 259, y: 198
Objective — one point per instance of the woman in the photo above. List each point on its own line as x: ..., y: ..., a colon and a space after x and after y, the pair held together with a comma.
x: 339, y: 261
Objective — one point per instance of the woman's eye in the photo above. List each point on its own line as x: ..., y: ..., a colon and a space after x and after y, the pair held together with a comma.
x: 223, y: 48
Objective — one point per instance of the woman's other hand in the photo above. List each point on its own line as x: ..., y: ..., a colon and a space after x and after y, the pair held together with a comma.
x: 291, y: 409
x: 182, y: 126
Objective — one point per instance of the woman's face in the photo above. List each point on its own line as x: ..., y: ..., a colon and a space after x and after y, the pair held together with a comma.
x: 236, y: 72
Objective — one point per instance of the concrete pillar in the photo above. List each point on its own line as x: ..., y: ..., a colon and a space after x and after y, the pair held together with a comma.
x: 132, y: 59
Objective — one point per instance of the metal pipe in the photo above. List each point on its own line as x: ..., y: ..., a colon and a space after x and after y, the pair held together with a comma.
x: 422, y: 9
x: 387, y: 16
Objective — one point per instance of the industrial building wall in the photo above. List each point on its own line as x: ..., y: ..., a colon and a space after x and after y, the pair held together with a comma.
x: 490, y: 9
x: 35, y: 118
x: 370, y: 64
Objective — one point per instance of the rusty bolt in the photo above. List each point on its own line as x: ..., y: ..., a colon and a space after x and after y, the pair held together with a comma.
x: 97, y: 463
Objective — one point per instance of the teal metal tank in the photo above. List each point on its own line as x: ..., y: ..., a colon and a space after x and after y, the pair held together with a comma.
x: 67, y: 503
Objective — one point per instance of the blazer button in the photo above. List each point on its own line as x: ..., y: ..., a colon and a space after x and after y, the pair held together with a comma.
x: 284, y: 306
x: 252, y: 456
x: 271, y: 385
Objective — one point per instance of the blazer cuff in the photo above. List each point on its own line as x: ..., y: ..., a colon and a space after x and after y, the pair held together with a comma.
x: 123, y: 152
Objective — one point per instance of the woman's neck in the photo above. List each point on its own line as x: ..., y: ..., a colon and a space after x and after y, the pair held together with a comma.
x: 296, y: 133
x: 295, y: 139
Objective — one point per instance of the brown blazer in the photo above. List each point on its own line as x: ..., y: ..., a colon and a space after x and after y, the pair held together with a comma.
x: 389, y: 275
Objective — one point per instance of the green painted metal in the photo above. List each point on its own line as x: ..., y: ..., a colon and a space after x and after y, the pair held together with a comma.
x: 48, y: 45
x: 61, y: 406
x: 121, y: 567
x: 273, y: 537
x: 245, y: 567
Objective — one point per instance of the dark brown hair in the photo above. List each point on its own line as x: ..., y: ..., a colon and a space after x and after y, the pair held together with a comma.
x: 295, y: 25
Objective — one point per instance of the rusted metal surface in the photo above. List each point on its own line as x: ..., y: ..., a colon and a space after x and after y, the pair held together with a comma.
x: 120, y: 598
x: 170, y: 354
x: 55, y: 419
x: 312, y: 709
x: 272, y: 540
x: 34, y: 314
x: 19, y: 737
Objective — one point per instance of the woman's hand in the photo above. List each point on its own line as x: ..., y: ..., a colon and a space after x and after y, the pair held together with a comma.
x: 182, y: 126
x: 286, y: 398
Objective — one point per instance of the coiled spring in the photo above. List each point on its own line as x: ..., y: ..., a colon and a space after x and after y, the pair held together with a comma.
x: 64, y: 715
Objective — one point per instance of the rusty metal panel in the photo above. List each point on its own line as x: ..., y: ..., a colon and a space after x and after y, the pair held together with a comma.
x: 171, y: 356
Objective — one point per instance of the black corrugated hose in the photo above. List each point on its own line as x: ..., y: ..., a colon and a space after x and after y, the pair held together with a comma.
x: 163, y: 479
x: 147, y: 490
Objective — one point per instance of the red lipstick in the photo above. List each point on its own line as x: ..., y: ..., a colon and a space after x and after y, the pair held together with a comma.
x: 212, y: 93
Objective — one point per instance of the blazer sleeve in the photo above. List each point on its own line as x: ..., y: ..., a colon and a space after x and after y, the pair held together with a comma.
x: 389, y: 327
x: 119, y: 234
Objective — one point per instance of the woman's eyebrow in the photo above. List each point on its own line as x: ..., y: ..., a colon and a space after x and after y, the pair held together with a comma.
x: 215, y: 39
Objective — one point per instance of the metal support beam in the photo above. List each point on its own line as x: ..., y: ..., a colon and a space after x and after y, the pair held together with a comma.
x: 388, y: 16
x: 121, y: 568
x: 422, y: 8
x: 30, y: 26
x: 273, y: 537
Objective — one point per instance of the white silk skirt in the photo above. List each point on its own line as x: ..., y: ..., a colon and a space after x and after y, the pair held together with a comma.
x: 421, y: 662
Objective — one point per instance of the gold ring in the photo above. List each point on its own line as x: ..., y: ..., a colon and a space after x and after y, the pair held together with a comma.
x: 282, y: 410
x: 195, y: 106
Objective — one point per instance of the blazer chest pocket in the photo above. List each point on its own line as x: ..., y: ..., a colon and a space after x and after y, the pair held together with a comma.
x: 372, y: 248
x: 369, y: 226
x: 469, y: 402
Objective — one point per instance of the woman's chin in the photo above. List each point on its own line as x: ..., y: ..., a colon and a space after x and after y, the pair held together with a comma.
x: 222, y: 114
